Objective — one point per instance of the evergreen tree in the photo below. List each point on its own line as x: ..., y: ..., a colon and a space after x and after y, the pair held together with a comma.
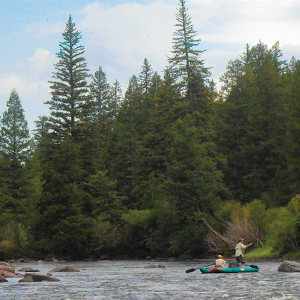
x: 41, y: 134
x: 99, y: 89
x: 15, y: 152
x: 69, y: 157
x: 15, y: 139
x: 125, y: 145
x: 145, y: 77
x: 292, y: 147
x: 186, y: 63
x: 69, y: 88
x: 252, y: 123
x: 115, y: 99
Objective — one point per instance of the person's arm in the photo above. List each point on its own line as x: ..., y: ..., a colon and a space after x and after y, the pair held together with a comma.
x: 249, y: 245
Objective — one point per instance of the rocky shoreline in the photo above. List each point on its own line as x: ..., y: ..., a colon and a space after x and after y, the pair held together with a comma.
x: 7, y: 270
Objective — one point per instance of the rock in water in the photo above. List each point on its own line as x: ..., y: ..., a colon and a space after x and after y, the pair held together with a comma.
x: 152, y: 266
x: 71, y: 268
x: 2, y: 279
x: 37, y: 278
x: 289, y: 266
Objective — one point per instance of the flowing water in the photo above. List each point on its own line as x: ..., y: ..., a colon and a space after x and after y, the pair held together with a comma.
x: 131, y: 280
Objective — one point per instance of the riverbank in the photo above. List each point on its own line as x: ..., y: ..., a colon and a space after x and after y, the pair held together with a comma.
x: 256, y: 254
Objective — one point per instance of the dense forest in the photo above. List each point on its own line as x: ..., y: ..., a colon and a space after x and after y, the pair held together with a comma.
x: 172, y: 167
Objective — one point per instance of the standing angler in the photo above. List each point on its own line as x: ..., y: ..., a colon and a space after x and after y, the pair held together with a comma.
x: 239, y: 251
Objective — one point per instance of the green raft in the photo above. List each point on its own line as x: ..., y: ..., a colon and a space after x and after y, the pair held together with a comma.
x: 243, y: 269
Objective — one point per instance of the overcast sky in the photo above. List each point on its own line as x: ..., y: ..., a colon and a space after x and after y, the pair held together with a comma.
x: 119, y: 34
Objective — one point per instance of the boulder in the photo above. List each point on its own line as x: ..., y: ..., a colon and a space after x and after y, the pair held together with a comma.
x: 26, y: 279
x: 37, y: 278
x: 6, y: 267
x: 7, y: 274
x: 2, y: 279
x: 158, y: 266
x: 3, y: 263
x: 289, y: 266
x: 40, y: 262
x: 71, y: 268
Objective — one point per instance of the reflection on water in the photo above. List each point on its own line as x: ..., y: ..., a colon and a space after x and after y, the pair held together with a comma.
x: 131, y: 280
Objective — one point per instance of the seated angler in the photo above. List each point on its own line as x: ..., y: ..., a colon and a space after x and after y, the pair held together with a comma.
x: 220, y: 262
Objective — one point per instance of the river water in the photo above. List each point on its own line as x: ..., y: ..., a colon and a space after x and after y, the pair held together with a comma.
x: 132, y: 280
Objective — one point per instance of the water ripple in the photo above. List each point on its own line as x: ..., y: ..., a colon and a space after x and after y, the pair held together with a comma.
x: 131, y: 280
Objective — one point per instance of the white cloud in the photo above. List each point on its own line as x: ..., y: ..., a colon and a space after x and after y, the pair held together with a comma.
x: 40, y: 65
x: 248, y: 21
x: 10, y: 81
x: 125, y: 34
x: 42, y: 30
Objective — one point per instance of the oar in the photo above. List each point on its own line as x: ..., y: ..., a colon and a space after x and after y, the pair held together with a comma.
x: 192, y: 270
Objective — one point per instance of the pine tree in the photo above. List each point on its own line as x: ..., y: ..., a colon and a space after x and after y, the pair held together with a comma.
x: 69, y: 86
x: 99, y: 89
x: 15, y: 139
x: 70, y: 156
x: 145, y: 77
x: 15, y: 152
x: 125, y: 145
x: 253, y: 126
x: 292, y: 145
x: 186, y: 63
x: 115, y: 99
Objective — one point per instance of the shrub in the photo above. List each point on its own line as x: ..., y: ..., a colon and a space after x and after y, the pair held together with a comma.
x: 13, y: 240
x: 282, y: 229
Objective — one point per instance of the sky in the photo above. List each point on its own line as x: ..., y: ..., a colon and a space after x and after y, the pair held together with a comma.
x: 118, y: 34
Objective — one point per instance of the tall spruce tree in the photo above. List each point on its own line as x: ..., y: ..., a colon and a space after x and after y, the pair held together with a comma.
x: 65, y: 220
x: 15, y: 152
x: 99, y: 89
x: 115, y: 99
x: 69, y: 86
x: 125, y: 145
x: 186, y: 63
x: 145, y: 76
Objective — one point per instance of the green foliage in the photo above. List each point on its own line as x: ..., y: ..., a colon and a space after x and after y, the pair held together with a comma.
x: 72, y: 237
x: 155, y: 173
x: 15, y: 140
x: 139, y: 225
x: 282, y: 230
x: 107, y: 240
x: 145, y: 77
x: 257, y: 216
x: 185, y: 62
x: 69, y: 87
x: 15, y: 153
x: 231, y: 210
x: 261, y: 253
x: 253, y: 126
x: 99, y: 103
x: 139, y: 218
x: 13, y: 240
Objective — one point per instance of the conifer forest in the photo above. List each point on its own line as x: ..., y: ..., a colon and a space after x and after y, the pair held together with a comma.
x: 170, y: 167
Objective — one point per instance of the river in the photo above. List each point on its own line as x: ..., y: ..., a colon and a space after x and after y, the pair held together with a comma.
x: 131, y: 280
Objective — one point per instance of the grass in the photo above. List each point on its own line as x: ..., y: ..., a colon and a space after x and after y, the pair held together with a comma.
x: 292, y: 255
x: 262, y: 252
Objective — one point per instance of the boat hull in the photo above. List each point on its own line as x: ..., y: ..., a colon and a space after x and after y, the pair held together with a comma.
x: 229, y: 270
